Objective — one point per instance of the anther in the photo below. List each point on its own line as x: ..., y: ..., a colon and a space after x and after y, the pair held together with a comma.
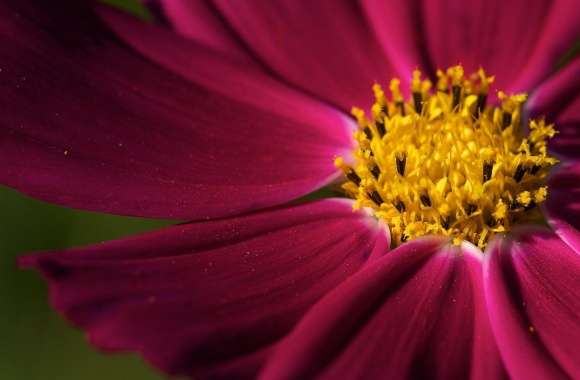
x: 519, y: 173
x: 534, y: 169
x: 442, y: 82
x: 487, y: 171
x: 490, y: 221
x: 480, y: 105
x: 418, y: 102
x: 375, y: 197
x: 385, y: 110
x: 506, y: 120
x: 400, y: 206
x: 531, y: 145
x: 376, y: 172
x: 381, y: 128
x: 368, y: 133
x: 514, y: 205
x: 456, y: 93
x: 439, y: 193
x: 401, y: 160
x: 530, y: 205
x: 470, y: 208
x: 353, y: 177
x: 401, y: 106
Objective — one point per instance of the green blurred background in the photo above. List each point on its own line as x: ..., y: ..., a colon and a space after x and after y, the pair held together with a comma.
x: 35, y: 342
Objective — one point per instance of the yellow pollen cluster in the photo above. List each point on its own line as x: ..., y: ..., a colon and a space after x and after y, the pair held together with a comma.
x: 442, y: 162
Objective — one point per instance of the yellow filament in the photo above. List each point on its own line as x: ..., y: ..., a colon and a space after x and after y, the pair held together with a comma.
x: 444, y: 163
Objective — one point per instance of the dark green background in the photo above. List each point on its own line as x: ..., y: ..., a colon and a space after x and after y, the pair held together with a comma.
x: 35, y: 343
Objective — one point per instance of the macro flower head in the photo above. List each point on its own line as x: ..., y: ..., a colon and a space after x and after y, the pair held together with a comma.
x: 371, y: 189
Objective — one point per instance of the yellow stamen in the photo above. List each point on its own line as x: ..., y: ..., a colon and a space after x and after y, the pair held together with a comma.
x: 456, y: 74
x: 485, y: 81
x: 444, y: 163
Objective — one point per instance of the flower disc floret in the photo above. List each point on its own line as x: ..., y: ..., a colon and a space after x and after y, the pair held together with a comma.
x: 443, y: 162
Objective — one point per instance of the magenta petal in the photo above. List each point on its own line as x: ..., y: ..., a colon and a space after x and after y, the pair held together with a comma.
x: 156, y: 11
x: 562, y: 208
x: 559, y: 101
x: 98, y: 127
x: 566, y: 144
x: 531, y: 284
x: 555, y: 97
x: 200, y: 22
x: 223, y: 75
x: 210, y: 298
x: 400, y: 31
x: 519, y: 51
x: 322, y: 46
x: 418, y: 312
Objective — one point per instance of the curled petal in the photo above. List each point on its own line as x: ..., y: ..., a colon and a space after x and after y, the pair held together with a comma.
x: 531, y: 283
x: 210, y: 299
x: 559, y: 101
x: 418, y: 312
x: 562, y: 208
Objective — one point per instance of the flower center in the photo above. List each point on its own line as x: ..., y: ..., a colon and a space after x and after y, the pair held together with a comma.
x: 443, y: 162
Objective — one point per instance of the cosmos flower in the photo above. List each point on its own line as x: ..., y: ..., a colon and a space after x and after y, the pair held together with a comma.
x: 224, y: 113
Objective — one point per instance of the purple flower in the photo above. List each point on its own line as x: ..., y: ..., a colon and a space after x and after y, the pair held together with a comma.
x: 239, y: 108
